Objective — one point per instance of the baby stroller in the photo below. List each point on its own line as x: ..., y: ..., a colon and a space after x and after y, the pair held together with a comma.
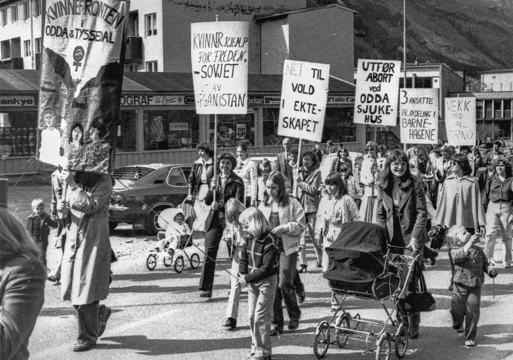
x: 363, y: 265
x: 184, y: 246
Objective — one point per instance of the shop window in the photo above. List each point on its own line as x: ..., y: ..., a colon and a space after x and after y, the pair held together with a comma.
x: 271, y: 126
x: 18, y: 133
x: 126, y: 132
x: 232, y: 129
x: 170, y: 129
x: 150, y: 24
x: 14, y: 13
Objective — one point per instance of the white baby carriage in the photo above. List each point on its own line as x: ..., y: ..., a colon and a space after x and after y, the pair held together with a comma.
x: 362, y: 265
x: 177, y: 255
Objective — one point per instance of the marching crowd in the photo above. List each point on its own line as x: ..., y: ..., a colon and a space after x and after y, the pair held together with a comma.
x: 264, y: 211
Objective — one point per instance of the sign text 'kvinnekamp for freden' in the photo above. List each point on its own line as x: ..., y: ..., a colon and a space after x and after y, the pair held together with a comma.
x: 418, y: 116
x: 460, y: 120
x: 219, y: 54
x: 377, y: 88
x: 304, y: 94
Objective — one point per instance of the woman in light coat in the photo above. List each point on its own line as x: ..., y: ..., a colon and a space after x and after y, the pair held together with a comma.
x: 247, y: 171
x: 308, y: 183
x: 287, y: 219
x: 85, y: 273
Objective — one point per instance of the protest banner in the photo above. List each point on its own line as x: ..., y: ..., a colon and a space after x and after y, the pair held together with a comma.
x: 304, y: 94
x: 460, y: 120
x: 219, y: 55
x: 377, y: 89
x: 418, y: 118
x: 81, y: 79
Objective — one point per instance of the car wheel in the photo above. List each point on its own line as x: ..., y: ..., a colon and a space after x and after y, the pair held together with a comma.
x: 113, y: 226
x: 151, y: 224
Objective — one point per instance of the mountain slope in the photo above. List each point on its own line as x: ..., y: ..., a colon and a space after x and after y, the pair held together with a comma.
x: 472, y: 35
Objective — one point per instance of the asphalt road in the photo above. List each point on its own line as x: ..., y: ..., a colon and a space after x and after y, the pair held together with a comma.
x: 158, y: 314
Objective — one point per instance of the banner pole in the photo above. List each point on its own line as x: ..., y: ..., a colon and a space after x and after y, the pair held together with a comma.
x: 215, y: 156
x: 373, y: 172
x: 297, y: 166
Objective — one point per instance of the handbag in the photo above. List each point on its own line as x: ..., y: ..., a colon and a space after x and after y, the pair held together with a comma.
x: 421, y: 301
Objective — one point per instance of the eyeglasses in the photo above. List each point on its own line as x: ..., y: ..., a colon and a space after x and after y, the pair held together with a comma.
x: 369, y: 149
x: 501, y: 165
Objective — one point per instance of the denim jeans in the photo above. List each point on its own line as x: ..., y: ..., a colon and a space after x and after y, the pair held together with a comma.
x: 212, y: 240
x: 232, y: 310
x: 465, y: 306
x: 310, y: 224
x: 260, y: 306
x: 285, y: 291
x: 42, y: 251
x: 497, y: 216
x: 87, y: 316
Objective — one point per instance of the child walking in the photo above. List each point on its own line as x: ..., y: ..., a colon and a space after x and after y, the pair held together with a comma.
x: 470, y: 264
x: 258, y: 269
x: 38, y: 225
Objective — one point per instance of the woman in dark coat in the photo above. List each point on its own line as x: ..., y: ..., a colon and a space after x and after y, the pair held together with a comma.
x: 227, y: 185
x: 402, y: 211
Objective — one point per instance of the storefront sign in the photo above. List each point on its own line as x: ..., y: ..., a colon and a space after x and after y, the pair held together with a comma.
x: 272, y: 99
x: 419, y: 116
x: 152, y: 100
x: 303, y: 100
x: 17, y: 100
x: 81, y: 77
x: 178, y: 126
x: 219, y: 54
x: 460, y: 120
x: 377, y: 89
x: 340, y: 99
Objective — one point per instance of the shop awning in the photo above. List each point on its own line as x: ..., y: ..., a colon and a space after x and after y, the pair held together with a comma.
x: 19, y: 81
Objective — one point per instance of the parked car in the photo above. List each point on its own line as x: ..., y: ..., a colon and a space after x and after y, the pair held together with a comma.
x: 141, y: 192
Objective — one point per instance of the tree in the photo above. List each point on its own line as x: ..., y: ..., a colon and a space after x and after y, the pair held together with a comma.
x: 488, y: 129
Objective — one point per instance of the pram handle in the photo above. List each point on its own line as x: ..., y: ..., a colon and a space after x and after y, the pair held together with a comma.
x: 413, y: 254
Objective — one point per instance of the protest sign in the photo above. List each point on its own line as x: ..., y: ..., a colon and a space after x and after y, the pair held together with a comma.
x: 460, y: 120
x: 219, y: 55
x: 81, y: 78
x: 377, y: 89
x: 304, y: 94
x: 419, y: 116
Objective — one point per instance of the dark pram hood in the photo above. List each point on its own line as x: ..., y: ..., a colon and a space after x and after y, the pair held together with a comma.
x: 357, y: 255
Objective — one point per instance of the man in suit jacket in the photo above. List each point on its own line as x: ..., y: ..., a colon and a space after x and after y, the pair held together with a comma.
x: 282, y: 164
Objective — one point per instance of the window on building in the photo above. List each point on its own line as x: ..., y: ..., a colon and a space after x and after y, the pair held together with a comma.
x: 271, y: 126
x: 232, y: 129
x: 151, y: 66
x: 497, y: 109
x: 408, y: 82
x: 36, y: 7
x: 507, y: 109
x: 126, y: 133
x: 133, y: 24
x: 27, y: 51
x: 16, y: 48
x: 38, y: 45
x: 132, y: 67
x: 4, y: 17
x: 170, y: 129
x: 26, y: 10
x: 19, y: 139
x: 150, y: 26
x: 488, y: 109
x: 479, y: 109
x: 14, y: 13
x: 5, y: 49
x: 423, y: 82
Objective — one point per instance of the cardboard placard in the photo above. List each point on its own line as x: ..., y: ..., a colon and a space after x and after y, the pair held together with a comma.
x: 219, y: 54
x: 418, y: 116
x: 304, y: 94
x: 460, y: 120
x: 377, y: 89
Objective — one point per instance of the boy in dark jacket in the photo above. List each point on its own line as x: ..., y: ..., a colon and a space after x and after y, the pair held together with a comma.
x: 470, y: 264
x: 38, y: 225
x: 258, y: 268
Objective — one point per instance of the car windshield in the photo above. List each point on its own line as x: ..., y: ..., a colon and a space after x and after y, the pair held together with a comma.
x: 132, y: 173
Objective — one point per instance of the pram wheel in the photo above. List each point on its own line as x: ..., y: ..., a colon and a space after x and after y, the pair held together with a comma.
x: 321, y: 340
x: 179, y: 264
x: 195, y: 261
x: 151, y: 262
x: 383, y: 349
x: 401, y: 340
x: 168, y: 260
x: 342, y: 335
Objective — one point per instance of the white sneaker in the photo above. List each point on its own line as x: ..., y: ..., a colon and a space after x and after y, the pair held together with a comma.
x: 470, y: 343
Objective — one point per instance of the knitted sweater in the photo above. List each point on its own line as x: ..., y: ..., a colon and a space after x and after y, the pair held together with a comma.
x: 259, y: 258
